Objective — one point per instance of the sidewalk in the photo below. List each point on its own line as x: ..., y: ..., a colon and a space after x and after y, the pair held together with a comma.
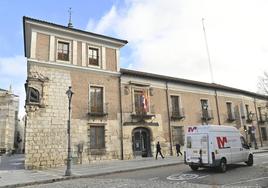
x: 19, y: 177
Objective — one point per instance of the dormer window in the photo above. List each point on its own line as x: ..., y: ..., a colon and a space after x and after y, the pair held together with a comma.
x: 63, y: 51
x: 93, y: 56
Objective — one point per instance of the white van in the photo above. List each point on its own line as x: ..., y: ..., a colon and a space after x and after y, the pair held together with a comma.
x: 215, y: 146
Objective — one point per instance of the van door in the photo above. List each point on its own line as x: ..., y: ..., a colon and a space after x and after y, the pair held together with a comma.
x: 245, y: 149
x: 236, y: 149
x: 197, y: 148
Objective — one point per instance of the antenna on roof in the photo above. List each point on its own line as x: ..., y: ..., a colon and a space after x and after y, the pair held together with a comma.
x: 70, y: 25
x: 210, y: 66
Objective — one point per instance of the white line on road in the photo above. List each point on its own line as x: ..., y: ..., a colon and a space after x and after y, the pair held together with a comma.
x: 256, y: 179
x: 154, y: 178
x: 261, y: 155
x: 202, y: 177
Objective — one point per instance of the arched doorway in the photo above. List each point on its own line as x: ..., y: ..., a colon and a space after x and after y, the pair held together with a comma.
x: 141, y: 142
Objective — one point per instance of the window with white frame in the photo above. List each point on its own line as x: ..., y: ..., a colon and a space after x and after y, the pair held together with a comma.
x: 141, y: 101
x: 96, y: 99
x: 93, y: 56
x: 63, y: 51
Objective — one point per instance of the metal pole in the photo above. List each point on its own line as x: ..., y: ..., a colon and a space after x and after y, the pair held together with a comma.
x: 69, y: 158
x: 210, y: 65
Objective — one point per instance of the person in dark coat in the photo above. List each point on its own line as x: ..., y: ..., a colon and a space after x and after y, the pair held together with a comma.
x: 178, y: 149
x: 158, y: 150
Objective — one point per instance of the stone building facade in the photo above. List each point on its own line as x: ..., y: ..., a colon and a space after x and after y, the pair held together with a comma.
x: 9, y: 108
x: 116, y: 113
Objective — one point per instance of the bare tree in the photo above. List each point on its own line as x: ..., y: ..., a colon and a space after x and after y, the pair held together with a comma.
x: 263, y: 83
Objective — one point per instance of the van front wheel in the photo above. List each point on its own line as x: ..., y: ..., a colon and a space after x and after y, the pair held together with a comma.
x: 194, y: 167
x: 223, y: 166
x: 250, y: 160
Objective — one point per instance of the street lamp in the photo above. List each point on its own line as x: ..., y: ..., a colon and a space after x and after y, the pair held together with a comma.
x: 69, y: 93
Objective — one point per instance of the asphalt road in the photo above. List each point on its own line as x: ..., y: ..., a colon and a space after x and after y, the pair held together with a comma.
x: 238, y: 175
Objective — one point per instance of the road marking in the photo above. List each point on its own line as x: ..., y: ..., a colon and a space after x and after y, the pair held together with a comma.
x: 264, y: 162
x: 155, y: 178
x: 262, y: 155
x: 181, y: 177
x: 202, y: 177
x: 256, y: 179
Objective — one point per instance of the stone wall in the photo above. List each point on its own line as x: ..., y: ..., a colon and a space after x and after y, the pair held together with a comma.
x: 9, y: 107
x: 46, y: 131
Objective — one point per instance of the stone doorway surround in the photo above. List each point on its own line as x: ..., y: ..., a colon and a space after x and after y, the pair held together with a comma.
x: 141, y: 142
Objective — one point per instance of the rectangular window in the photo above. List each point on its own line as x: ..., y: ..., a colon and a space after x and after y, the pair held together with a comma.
x: 204, y: 104
x: 175, y: 105
x: 96, y: 99
x: 261, y: 117
x: 93, y: 56
x: 97, y: 137
x: 263, y: 133
x: 247, y: 111
x: 230, y: 112
x: 63, y: 51
x: 204, y: 107
x: 141, y: 101
x: 178, y: 135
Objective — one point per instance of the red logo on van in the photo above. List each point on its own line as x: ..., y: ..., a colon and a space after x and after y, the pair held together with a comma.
x: 221, y: 141
x: 192, y: 129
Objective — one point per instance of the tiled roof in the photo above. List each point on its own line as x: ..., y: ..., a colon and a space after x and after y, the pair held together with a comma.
x: 73, y: 29
x: 191, y: 82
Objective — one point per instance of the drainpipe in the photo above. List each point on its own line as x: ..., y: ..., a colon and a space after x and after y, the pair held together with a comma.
x: 258, y: 125
x: 169, y: 128
x: 121, y: 121
x: 217, y: 107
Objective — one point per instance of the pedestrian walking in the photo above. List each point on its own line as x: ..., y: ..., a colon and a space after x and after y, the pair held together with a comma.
x: 178, y: 149
x: 158, y: 150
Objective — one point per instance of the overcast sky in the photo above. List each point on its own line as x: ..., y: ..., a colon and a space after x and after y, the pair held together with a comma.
x: 165, y: 36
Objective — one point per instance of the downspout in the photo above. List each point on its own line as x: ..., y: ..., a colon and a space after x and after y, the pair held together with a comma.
x: 169, y: 128
x: 121, y: 121
x: 258, y: 125
x: 217, y: 107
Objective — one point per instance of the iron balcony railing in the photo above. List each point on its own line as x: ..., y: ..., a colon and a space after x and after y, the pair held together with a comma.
x: 206, y: 115
x: 177, y: 114
x: 231, y: 116
x: 99, y: 110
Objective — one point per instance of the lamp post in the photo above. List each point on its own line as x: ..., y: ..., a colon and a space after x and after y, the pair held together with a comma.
x: 69, y: 93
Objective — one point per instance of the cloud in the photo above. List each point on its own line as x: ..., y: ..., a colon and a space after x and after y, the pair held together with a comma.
x: 13, y: 72
x: 166, y: 37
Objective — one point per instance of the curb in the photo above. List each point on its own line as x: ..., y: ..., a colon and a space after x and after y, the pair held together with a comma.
x: 86, y: 176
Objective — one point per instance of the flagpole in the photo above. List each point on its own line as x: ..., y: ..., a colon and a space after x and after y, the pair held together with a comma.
x: 210, y: 65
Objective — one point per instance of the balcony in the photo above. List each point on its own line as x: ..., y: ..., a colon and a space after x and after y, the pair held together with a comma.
x: 142, y: 115
x: 206, y: 115
x: 263, y: 118
x: 230, y: 116
x: 177, y: 114
x: 98, y: 111
x: 249, y: 117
